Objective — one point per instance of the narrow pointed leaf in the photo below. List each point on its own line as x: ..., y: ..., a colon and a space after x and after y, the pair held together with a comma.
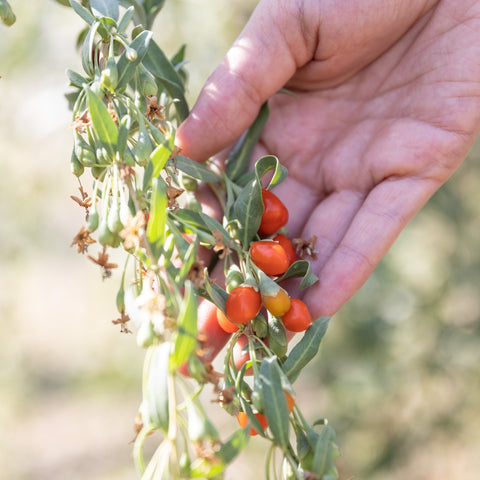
x: 305, y: 349
x: 266, y: 164
x: 188, y: 259
x: 233, y: 446
x: 156, y: 399
x: 105, y: 8
x: 322, y: 459
x: 248, y: 209
x: 126, y: 68
x: 239, y: 159
x: 276, y: 408
x: 300, y: 268
x: 160, y: 66
x: 88, y: 48
x: 125, y: 20
x: 158, y: 211
x: 82, y: 12
x: 185, y: 341
x: 102, y: 121
x: 195, y: 169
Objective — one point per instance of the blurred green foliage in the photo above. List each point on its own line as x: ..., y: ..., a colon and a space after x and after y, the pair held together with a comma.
x: 397, y: 374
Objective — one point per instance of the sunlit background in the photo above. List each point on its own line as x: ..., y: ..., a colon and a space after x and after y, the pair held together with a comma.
x: 397, y: 375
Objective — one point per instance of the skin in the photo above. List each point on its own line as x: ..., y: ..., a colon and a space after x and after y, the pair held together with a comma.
x: 386, y: 106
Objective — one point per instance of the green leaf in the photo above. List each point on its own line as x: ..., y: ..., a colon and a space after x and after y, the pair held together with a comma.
x: 126, y: 68
x: 188, y: 259
x: 76, y: 79
x: 159, y: 158
x: 274, y: 401
x: 123, y: 134
x: 252, y: 419
x: 300, y: 268
x: 185, y: 341
x: 322, y: 459
x: 217, y: 295
x: 267, y: 163
x: 239, y: 159
x: 248, y: 209
x: 305, y: 349
x: 215, y: 226
x: 195, y: 169
x: 88, y: 48
x: 158, y: 211
x: 277, y: 336
x: 160, y: 66
x: 105, y: 8
x: 82, y: 12
x: 192, y: 219
x: 233, y: 446
x: 155, y: 402
x: 125, y: 20
x: 102, y: 122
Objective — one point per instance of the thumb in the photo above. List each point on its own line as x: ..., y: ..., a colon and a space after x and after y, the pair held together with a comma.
x: 265, y: 55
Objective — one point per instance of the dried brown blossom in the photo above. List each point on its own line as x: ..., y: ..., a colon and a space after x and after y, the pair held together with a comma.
x: 82, y: 240
x: 102, y: 261
x: 154, y: 110
x: 207, y: 449
x: 175, y: 152
x: 81, y: 122
x: 220, y: 246
x: 305, y: 248
x: 122, y: 321
x: 126, y: 172
x: 85, y: 201
x: 197, y: 274
x: 173, y: 193
x: 133, y: 231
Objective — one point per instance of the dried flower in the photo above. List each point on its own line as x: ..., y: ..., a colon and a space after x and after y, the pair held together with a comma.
x: 81, y: 122
x: 173, y: 193
x: 197, y: 274
x: 82, y: 240
x: 102, y: 261
x: 154, y: 110
x: 220, y: 245
x: 305, y: 248
x: 122, y: 320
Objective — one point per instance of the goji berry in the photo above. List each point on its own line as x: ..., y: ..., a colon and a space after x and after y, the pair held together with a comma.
x: 269, y: 256
x: 243, y: 421
x: 278, y: 304
x: 275, y: 213
x: 298, y: 317
x: 243, y: 304
x: 285, y: 242
x: 225, y: 323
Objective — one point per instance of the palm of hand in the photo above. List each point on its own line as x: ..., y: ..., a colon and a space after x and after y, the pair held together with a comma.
x: 365, y: 154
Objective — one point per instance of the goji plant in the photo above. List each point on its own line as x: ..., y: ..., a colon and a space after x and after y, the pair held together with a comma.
x: 138, y: 194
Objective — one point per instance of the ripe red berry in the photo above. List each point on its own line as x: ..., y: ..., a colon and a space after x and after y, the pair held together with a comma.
x: 243, y: 420
x: 275, y: 213
x: 243, y: 304
x: 298, y: 318
x: 225, y: 323
x: 285, y: 242
x: 269, y: 256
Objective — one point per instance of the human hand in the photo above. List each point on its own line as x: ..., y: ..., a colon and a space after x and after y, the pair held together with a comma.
x: 386, y: 107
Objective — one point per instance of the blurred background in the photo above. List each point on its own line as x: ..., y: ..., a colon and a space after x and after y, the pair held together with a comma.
x: 398, y: 372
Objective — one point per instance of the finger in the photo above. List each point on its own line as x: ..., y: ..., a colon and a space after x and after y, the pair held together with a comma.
x: 266, y: 54
x: 372, y: 231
